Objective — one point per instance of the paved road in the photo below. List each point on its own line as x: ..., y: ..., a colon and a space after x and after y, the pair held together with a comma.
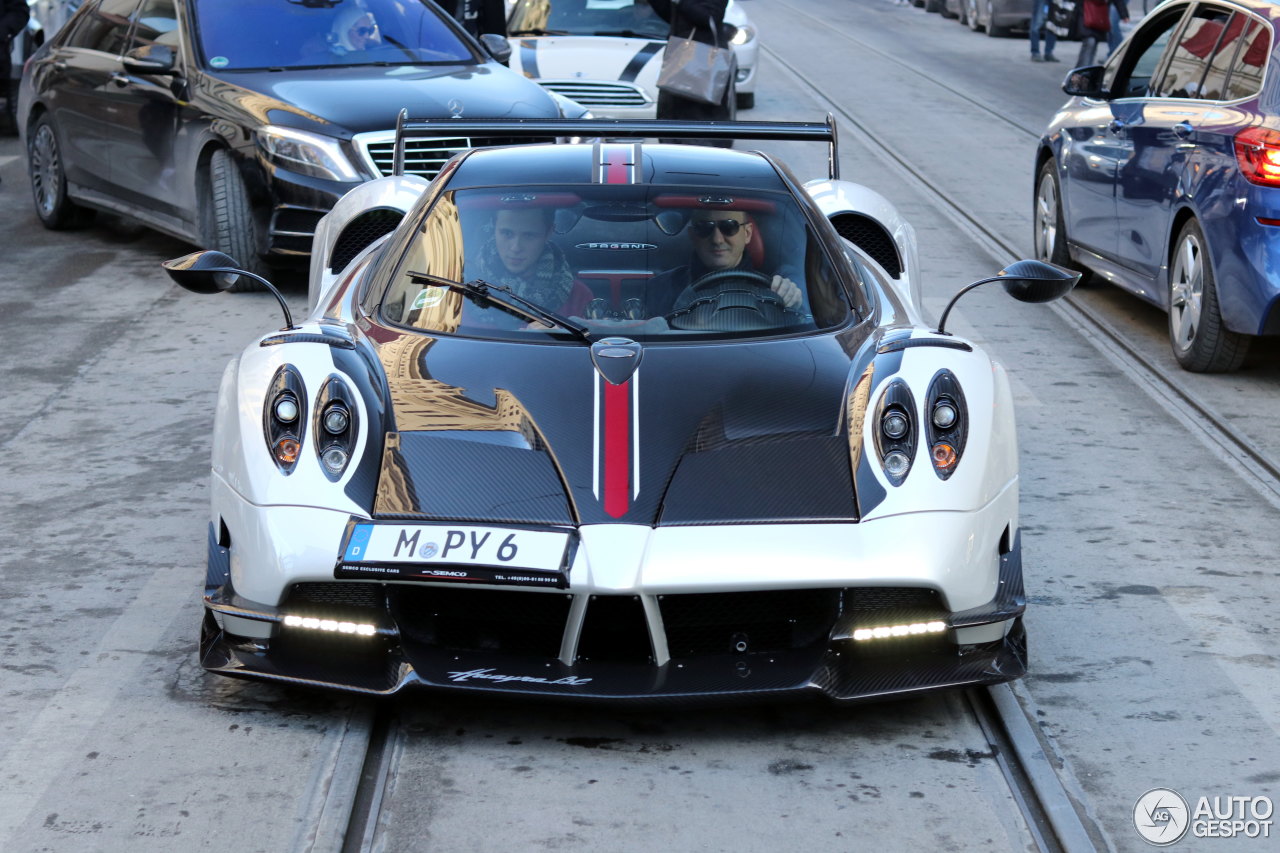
x: 1149, y: 560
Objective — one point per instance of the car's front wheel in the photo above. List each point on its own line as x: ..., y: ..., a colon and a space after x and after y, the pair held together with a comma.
x: 49, y: 180
x: 1201, y: 341
x: 1050, y: 226
x: 233, y: 229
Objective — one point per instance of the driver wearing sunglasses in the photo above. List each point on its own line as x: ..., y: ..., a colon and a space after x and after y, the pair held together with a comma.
x: 354, y: 30
x: 719, y: 240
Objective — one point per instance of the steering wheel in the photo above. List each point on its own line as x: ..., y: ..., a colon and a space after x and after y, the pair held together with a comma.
x: 732, y: 308
x: 714, y: 276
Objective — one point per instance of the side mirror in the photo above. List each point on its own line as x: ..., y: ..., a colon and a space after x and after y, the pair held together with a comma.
x: 1036, y: 281
x: 150, y: 60
x: 1025, y: 281
x: 1084, y: 82
x: 497, y: 46
x: 213, y: 272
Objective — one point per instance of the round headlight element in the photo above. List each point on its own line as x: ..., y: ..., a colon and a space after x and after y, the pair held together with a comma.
x: 287, y: 450
x: 896, y: 463
x: 944, y: 456
x: 286, y: 410
x: 894, y: 424
x: 336, y: 420
x: 335, y: 459
x: 944, y: 415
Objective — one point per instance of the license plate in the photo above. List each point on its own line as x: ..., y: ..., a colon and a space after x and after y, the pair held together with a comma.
x: 447, y: 552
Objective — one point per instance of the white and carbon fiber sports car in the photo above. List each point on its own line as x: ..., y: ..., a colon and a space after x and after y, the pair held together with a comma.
x: 606, y: 54
x: 615, y: 421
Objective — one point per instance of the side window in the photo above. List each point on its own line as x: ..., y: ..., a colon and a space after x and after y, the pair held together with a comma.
x: 157, y: 24
x: 104, y: 27
x: 1215, y: 77
x: 1142, y: 58
x: 1190, y: 57
x: 1250, y: 63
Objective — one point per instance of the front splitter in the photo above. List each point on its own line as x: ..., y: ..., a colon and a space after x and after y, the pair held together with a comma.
x: 840, y: 671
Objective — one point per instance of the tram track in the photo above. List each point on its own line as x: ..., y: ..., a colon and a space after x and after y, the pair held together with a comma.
x: 1050, y: 813
x: 1262, y: 470
x: 1053, y: 817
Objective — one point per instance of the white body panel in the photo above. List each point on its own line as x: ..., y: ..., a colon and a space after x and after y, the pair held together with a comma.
x: 240, y: 455
x: 955, y: 553
x: 399, y: 193
x: 836, y: 197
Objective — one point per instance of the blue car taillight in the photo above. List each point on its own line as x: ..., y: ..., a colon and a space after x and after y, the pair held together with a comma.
x: 946, y: 422
x: 282, y: 422
x: 896, y: 431
x: 335, y: 428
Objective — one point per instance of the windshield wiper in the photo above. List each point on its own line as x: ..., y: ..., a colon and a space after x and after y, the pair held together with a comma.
x: 540, y: 32
x: 629, y: 34
x: 508, y: 300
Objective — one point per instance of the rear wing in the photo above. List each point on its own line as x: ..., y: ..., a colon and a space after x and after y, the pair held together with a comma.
x: 599, y: 128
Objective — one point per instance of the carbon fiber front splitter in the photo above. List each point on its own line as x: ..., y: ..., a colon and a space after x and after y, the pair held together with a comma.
x: 843, y: 671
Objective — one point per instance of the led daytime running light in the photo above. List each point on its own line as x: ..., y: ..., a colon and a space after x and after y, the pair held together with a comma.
x: 885, y: 631
x: 330, y: 625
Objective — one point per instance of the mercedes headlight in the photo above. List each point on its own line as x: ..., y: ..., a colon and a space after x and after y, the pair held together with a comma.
x: 306, y: 153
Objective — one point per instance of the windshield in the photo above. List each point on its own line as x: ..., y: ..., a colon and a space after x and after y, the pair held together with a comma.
x: 252, y: 34
x: 647, y: 262
x: 586, y: 18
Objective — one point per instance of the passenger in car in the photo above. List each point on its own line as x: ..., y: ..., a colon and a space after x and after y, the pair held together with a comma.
x: 719, y: 240
x: 520, y: 255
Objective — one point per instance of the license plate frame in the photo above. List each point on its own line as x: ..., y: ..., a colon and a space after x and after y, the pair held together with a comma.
x: 442, y: 552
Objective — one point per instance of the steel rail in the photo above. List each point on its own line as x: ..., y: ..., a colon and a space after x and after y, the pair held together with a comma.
x: 1049, y: 811
x: 1001, y: 250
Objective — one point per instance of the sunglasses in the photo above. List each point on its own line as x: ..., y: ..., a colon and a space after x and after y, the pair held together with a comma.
x: 704, y: 228
x: 365, y: 32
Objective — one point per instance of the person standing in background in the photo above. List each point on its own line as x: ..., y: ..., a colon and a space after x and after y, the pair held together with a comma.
x: 13, y: 18
x: 1095, y: 20
x: 700, y: 20
x: 1039, y: 14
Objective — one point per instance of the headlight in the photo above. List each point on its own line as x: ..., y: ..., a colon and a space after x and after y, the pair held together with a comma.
x: 307, y: 153
x: 335, y: 429
x: 743, y: 35
x: 948, y: 426
x: 895, y: 434
x: 281, y: 426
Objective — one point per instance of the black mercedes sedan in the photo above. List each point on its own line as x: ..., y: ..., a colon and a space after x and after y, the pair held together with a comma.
x: 237, y: 124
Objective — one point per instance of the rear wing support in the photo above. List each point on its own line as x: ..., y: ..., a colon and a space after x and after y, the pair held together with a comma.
x: 597, y: 128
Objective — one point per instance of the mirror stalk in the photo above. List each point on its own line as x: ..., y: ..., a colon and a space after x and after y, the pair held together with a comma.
x: 942, y: 324
x: 1025, y: 281
x: 284, y: 306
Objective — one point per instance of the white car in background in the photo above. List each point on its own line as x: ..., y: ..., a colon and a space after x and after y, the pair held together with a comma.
x: 606, y: 54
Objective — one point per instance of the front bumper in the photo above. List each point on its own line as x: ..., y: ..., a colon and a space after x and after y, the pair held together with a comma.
x: 378, y: 638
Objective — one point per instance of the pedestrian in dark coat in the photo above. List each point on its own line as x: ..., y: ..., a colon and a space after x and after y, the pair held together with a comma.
x: 700, y: 20
x: 13, y: 18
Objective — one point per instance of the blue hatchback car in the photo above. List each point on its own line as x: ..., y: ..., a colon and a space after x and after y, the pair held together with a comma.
x: 1162, y: 175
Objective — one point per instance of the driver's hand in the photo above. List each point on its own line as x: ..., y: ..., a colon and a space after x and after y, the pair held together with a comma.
x: 787, y: 289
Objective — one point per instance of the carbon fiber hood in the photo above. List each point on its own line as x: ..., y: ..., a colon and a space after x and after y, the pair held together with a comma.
x: 503, y: 432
